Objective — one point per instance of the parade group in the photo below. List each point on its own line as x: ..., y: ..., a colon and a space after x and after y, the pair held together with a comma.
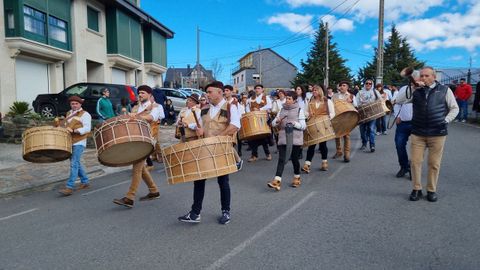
x: 421, y: 111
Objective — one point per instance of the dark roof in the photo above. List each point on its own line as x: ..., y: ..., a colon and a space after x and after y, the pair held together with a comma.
x: 268, y: 50
x: 185, y: 72
x: 145, y: 18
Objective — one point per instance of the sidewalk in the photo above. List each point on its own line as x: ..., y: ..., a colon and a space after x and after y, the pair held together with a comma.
x: 18, y: 175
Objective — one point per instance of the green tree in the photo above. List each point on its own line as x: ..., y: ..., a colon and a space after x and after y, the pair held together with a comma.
x: 314, y: 67
x: 396, y: 56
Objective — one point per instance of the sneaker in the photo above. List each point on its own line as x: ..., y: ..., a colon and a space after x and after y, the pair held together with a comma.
x: 306, y: 168
x: 384, y: 133
x: 377, y: 133
x: 225, y: 218
x: 296, y: 182
x: 150, y: 196
x: 372, y: 149
x: 190, y: 218
x: 456, y: 120
x: 325, y: 165
x: 66, y: 191
x: 275, y: 184
x: 240, y: 165
x: 83, y: 186
x: 124, y: 202
x: 363, y: 147
x: 269, y: 157
x: 252, y: 159
x: 463, y: 121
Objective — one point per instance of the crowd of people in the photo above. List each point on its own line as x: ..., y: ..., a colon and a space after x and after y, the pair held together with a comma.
x: 422, y: 110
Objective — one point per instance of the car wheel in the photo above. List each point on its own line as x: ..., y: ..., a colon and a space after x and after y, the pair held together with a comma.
x: 48, y: 110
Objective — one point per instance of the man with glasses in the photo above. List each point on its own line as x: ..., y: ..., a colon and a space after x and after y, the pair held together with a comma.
x: 367, y: 130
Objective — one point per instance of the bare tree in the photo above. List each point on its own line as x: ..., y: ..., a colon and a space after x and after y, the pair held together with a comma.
x: 217, y: 68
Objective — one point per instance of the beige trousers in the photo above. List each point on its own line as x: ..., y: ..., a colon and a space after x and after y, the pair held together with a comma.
x: 346, y: 145
x: 139, y: 172
x: 419, y: 144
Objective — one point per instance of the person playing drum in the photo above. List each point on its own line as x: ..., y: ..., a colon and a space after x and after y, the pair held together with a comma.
x: 364, y: 97
x: 79, y: 123
x: 344, y: 94
x: 291, y: 123
x: 318, y: 106
x: 259, y: 102
x: 219, y: 119
x: 231, y: 99
x: 187, y: 120
x: 151, y: 112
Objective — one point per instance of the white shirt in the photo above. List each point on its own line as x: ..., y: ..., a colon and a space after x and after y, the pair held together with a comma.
x: 277, y: 105
x: 157, y: 111
x: 365, y: 97
x: 185, y: 112
x: 301, y: 103
x: 340, y: 96
x: 234, y: 115
x: 86, y: 120
x: 404, y: 111
x: 258, y: 99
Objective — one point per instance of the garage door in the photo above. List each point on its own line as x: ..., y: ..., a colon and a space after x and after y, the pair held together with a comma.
x: 31, y: 79
x: 151, y: 80
x: 119, y: 76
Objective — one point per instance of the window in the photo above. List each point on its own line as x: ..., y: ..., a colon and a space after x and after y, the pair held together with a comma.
x: 242, y: 78
x: 92, y: 16
x: 57, y: 29
x: 34, y: 21
x: 79, y: 90
x: 10, y: 20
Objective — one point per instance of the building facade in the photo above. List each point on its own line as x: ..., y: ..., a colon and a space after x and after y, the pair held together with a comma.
x: 266, y: 67
x: 48, y: 45
x: 196, y: 77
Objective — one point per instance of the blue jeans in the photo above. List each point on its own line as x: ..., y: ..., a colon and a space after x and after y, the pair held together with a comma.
x: 367, y: 132
x: 76, y: 168
x: 463, y: 106
x: 403, y: 131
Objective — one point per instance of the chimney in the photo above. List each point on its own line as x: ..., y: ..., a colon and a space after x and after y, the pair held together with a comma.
x: 188, y: 69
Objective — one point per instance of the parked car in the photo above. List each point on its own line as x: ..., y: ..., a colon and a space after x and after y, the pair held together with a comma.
x: 179, y: 99
x: 50, y: 105
x: 190, y: 91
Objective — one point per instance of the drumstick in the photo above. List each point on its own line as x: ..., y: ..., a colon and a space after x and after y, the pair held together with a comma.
x: 196, y: 121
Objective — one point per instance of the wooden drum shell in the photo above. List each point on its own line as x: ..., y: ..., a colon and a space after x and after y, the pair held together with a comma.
x: 46, y: 144
x: 319, y: 129
x: 254, y: 125
x: 122, y: 141
x: 371, y: 111
x: 199, y: 159
x: 346, y: 118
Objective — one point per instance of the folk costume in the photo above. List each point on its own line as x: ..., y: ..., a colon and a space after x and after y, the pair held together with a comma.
x: 347, y: 97
x: 259, y: 103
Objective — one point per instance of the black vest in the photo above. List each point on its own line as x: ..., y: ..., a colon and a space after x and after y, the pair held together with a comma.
x: 429, y: 112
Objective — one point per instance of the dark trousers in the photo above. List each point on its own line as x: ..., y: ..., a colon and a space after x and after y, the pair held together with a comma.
x: 403, y: 131
x: 323, y: 150
x: 254, y: 144
x: 282, y: 156
x: 199, y: 192
x: 239, y: 146
x: 149, y: 161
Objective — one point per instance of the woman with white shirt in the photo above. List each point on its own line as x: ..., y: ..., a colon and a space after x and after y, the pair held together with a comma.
x: 318, y: 106
x: 301, y: 96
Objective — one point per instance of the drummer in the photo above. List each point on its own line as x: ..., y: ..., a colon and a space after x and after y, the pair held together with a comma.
x: 291, y: 113
x: 231, y: 98
x: 318, y: 106
x: 150, y: 112
x: 364, y: 97
x: 259, y: 102
x: 344, y: 95
x: 79, y: 124
x: 188, y: 118
x: 217, y: 121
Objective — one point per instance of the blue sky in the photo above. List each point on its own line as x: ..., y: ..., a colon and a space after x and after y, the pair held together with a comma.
x: 443, y: 33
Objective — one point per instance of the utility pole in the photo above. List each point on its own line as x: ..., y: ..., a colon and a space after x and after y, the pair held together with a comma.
x: 380, y: 44
x: 327, y: 68
x: 261, y: 75
x: 198, y: 57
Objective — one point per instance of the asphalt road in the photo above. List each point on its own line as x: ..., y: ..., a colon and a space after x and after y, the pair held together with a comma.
x: 355, y: 216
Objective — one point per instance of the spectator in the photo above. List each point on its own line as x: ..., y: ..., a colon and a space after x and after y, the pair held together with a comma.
x: 104, y: 106
x: 169, y: 113
x: 203, y: 102
x: 124, y: 107
x: 476, y: 101
x: 462, y: 94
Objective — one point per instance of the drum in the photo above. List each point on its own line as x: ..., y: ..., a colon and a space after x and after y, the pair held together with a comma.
x: 319, y: 129
x: 121, y: 141
x: 199, y: 159
x: 254, y: 125
x: 46, y: 144
x: 371, y: 111
x: 346, y: 118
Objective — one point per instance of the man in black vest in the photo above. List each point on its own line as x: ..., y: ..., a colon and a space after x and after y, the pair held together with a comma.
x: 434, y: 106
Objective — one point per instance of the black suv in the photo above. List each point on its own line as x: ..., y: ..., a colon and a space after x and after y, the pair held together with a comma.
x: 50, y: 105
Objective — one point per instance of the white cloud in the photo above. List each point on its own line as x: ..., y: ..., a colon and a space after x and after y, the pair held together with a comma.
x: 394, y: 9
x: 367, y: 47
x: 456, y: 58
x: 338, y: 25
x: 446, y: 30
x: 293, y: 22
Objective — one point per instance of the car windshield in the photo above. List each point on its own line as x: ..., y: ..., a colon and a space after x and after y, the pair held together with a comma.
x: 78, y: 90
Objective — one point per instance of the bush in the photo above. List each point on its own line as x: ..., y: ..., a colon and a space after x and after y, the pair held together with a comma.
x: 19, y: 108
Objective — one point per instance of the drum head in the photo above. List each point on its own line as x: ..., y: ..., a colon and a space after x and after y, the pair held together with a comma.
x: 124, y: 154
x: 47, y: 156
x: 344, y: 123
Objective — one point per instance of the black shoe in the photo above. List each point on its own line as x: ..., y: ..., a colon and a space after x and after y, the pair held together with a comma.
x: 346, y: 160
x: 431, y: 196
x: 363, y: 147
x: 240, y: 165
x: 415, y: 195
x: 150, y: 196
x: 372, y: 149
x: 225, y: 218
x: 124, y: 202
x: 402, y: 172
x: 190, y: 218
